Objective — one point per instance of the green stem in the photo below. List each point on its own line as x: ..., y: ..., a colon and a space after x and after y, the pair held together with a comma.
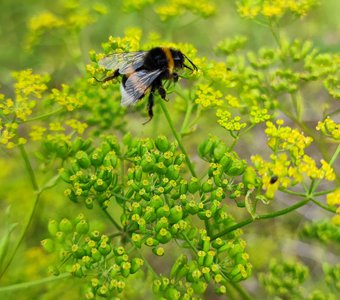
x: 293, y: 193
x: 44, y: 116
x: 177, y: 137
x: 29, y: 168
x: 244, y: 295
x: 325, y: 207
x: 25, y: 285
x: 190, y: 243
x: 113, y: 221
x: 35, y: 204
x: 261, y: 217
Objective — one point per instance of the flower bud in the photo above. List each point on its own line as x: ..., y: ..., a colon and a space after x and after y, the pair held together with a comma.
x: 237, y: 167
x: 219, y: 151
x: 48, y: 245
x: 97, y: 157
x: 65, y: 225
x: 53, y: 227
x: 176, y: 214
x: 82, y: 227
x: 83, y: 159
x: 162, y: 143
x: 136, y: 264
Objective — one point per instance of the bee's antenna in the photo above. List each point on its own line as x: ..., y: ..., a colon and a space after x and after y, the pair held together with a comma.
x: 193, y: 65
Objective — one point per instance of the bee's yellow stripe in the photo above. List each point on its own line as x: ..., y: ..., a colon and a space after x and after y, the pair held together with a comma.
x: 170, y: 59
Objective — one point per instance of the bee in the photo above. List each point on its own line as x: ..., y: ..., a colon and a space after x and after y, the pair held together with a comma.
x: 144, y: 71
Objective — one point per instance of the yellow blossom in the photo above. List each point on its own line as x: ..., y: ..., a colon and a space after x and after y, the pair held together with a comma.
x: 79, y: 127
x: 207, y: 96
x: 329, y: 128
x: 333, y: 198
x: 37, y: 132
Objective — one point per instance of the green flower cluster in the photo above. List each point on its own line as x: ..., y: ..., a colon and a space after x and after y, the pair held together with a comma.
x: 92, y: 172
x: 323, y: 231
x: 83, y: 253
x: 159, y: 205
x: 285, y: 279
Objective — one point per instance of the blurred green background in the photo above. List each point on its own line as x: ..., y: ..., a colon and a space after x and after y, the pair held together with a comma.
x: 62, y: 51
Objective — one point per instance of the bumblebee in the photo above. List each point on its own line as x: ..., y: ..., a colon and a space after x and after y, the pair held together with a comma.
x: 144, y: 71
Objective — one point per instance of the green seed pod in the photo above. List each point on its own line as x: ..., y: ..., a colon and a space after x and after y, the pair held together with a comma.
x: 219, y: 151
x: 77, y: 251
x: 65, y: 225
x: 209, y: 258
x: 176, y: 214
x: 151, y: 242
x: 100, y: 185
x: 237, y: 167
x: 60, y: 236
x: 77, y: 270
x: 83, y: 159
x: 89, y: 202
x: 179, y: 263
x: 82, y: 227
x: 199, y: 287
x: 104, y: 248
x: 156, y: 286
x: 172, y: 172
x: 162, y: 223
x: 193, y: 186
x: 95, y: 254
x: 125, y: 269
x: 226, y: 161
x: 53, y: 227
x: 115, y: 269
x: 163, y: 236
x: 207, y: 186
x: 97, y: 157
x: 48, y: 245
x: 136, y: 264
x: 163, y: 211
x: 159, y: 251
x: 162, y: 143
x: 201, y: 254
x: 65, y: 175
x: 172, y: 294
x: 148, y: 163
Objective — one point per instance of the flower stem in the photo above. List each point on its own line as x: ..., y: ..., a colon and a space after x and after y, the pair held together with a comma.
x: 177, y: 137
x: 35, y: 204
x: 25, y: 285
x: 261, y: 217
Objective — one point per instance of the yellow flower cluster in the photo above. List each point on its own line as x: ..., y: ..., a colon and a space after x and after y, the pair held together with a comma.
x: 258, y: 115
x: 274, y: 8
x: 287, y: 139
x: 291, y: 165
x: 37, y: 132
x: 329, y: 128
x: 219, y: 72
x: 27, y: 89
x: 207, y: 96
x: 230, y: 124
x: 129, y: 5
x: 66, y: 99
x: 46, y: 19
x: 79, y: 127
x: 333, y: 199
x: 174, y: 8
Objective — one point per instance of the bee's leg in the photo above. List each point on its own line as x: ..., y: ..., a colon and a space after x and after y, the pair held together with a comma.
x: 150, y: 105
x: 113, y: 76
x: 162, y: 92
x: 175, y: 77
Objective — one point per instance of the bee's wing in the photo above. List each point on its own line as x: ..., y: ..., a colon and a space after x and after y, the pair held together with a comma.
x: 136, y: 85
x: 125, y: 62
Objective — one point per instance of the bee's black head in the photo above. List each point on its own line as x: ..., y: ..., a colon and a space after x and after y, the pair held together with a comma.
x: 179, y: 59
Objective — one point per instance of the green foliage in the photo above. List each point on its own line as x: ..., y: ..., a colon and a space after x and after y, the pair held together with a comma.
x: 171, y: 209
